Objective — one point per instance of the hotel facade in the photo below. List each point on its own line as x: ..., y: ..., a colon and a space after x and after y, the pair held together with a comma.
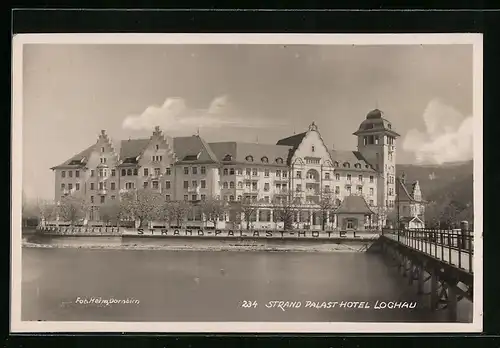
x: 361, y: 183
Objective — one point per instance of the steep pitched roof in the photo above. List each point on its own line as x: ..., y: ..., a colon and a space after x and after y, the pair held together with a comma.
x: 353, y: 205
x: 351, y: 157
x: 193, y: 149
x: 406, y: 191
x: 236, y: 152
x: 77, y: 160
x: 293, y: 141
x: 130, y: 149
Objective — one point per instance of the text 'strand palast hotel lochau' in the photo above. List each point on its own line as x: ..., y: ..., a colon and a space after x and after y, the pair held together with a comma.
x: 362, y: 183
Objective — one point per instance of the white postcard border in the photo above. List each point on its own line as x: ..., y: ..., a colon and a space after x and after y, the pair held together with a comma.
x: 19, y: 326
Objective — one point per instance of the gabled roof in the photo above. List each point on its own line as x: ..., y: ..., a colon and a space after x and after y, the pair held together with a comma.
x: 352, y: 158
x: 193, y: 149
x: 236, y: 152
x: 78, y: 160
x: 353, y: 205
x: 130, y: 149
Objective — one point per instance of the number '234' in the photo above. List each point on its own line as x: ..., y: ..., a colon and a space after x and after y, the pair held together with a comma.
x: 249, y: 304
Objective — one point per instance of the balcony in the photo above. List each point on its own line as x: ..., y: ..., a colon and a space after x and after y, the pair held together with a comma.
x: 102, y: 192
x: 195, y: 189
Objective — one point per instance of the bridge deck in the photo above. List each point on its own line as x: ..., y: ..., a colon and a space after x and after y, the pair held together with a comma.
x: 449, y: 252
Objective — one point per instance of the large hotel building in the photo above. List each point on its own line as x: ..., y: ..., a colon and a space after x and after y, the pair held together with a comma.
x: 361, y: 182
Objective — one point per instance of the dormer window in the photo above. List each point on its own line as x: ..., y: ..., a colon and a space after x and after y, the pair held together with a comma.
x: 249, y: 158
x: 367, y: 166
x: 279, y: 160
x: 347, y: 165
x: 227, y: 158
x: 357, y: 165
x: 336, y: 164
x: 389, y: 126
x: 264, y: 159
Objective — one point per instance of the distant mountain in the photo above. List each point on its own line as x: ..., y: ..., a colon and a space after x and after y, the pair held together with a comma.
x: 447, y: 187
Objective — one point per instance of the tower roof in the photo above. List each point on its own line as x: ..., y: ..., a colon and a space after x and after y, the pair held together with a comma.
x: 375, y: 123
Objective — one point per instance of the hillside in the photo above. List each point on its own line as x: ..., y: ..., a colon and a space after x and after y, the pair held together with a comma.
x: 448, y: 188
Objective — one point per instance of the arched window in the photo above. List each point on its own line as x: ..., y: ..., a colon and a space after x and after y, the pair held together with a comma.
x: 225, y: 171
x: 129, y: 171
x: 249, y: 158
x: 224, y: 185
x: 279, y: 160
x: 231, y: 184
x: 264, y: 159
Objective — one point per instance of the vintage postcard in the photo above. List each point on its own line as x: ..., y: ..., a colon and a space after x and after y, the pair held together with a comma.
x: 247, y: 183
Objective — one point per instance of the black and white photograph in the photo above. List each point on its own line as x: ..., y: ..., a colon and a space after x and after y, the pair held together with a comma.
x: 247, y: 183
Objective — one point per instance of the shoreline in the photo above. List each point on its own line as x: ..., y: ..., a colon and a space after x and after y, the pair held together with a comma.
x: 243, y: 248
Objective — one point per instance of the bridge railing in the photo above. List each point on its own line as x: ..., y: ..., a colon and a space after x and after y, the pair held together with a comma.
x: 454, y: 247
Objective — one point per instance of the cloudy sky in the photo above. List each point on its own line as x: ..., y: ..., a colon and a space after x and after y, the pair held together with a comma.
x: 241, y: 92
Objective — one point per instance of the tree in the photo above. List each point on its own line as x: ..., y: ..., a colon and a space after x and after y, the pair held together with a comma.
x: 213, y: 209
x: 248, y: 208
x: 142, y: 204
x: 72, y: 208
x: 326, y: 204
x: 46, y: 209
x: 284, y: 210
x: 176, y: 211
x: 111, y: 213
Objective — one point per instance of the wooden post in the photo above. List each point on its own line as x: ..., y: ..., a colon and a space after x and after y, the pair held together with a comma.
x: 434, y: 290
x: 452, y: 302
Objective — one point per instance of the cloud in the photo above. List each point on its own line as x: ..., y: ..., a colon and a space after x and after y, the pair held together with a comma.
x: 447, y: 138
x: 176, y: 115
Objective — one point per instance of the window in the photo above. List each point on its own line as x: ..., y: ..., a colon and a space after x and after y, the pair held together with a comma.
x: 225, y: 198
x: 63, y: 186
x: 266, y: 199
x: 113, y: 186
x: 155, y: 185
x: 102, y: 199
x: 102, y: 149
x: 129, y: 172
x: 231, y: 184
x: 157, y: 147
x: 203, y: 197
x: 186, y: 170
x: 312, y: 148
x: 136, y: 172
x: 194, y: 170
x: 254, y: 186
x: 124, y: 172
x: 266, y: 186
x: 77, y: 186
x: 231, y: 198
x: 299, y: 174
x: 224, y: 185
x: 203, y: 170
x: 167, y: 198
x: 225, y: 172
x: 167, y: 185
x: 264, y: 159
x: 92, y: 173
x: 113, y: 172
x: 279, y: 160
x: 91, y: 199
x: 327, y: 188
x: 284, y: 174
x: 186, y: 197
x: 231, y: 171
x: 357, y: 165
x: 91, y: 186
x: 101, y: 185
x: 299, y: 188
x: 350, y: 224
x: 113, y: 198
x: 240, y: 184
x: 248, y: 185
x: 254, y: 172
x: 371, y: 191
x: 70, y: 174
x: 77, y: 173
x: 337, y: 190
x: 278, y: 173
x: 348, y: 177
x: 249, y: 158
x: 371, y: 202
x: 327, y: 176
x: 336, y: 164
x: 194, y: 197
x: 337, y: 176
x: 146, y: 172
x: 186, y: 184
x: 239, y: 198
x: 348, y: 189
x: 240, y: 171
x: 203, y: 184
x: 145, y: 184
x: 129, y: 185
x: 371, y: 179
x: 248, y: 171
x: 360, y: 177
x: 103, y: 160
x: 194, y: 183
x: 347, y: 165
x: 360, y: 190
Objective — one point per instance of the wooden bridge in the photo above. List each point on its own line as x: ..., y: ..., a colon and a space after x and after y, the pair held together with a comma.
x: 442, y: 257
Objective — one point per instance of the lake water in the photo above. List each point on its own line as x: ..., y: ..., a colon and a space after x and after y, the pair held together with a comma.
x: 211, y: 286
